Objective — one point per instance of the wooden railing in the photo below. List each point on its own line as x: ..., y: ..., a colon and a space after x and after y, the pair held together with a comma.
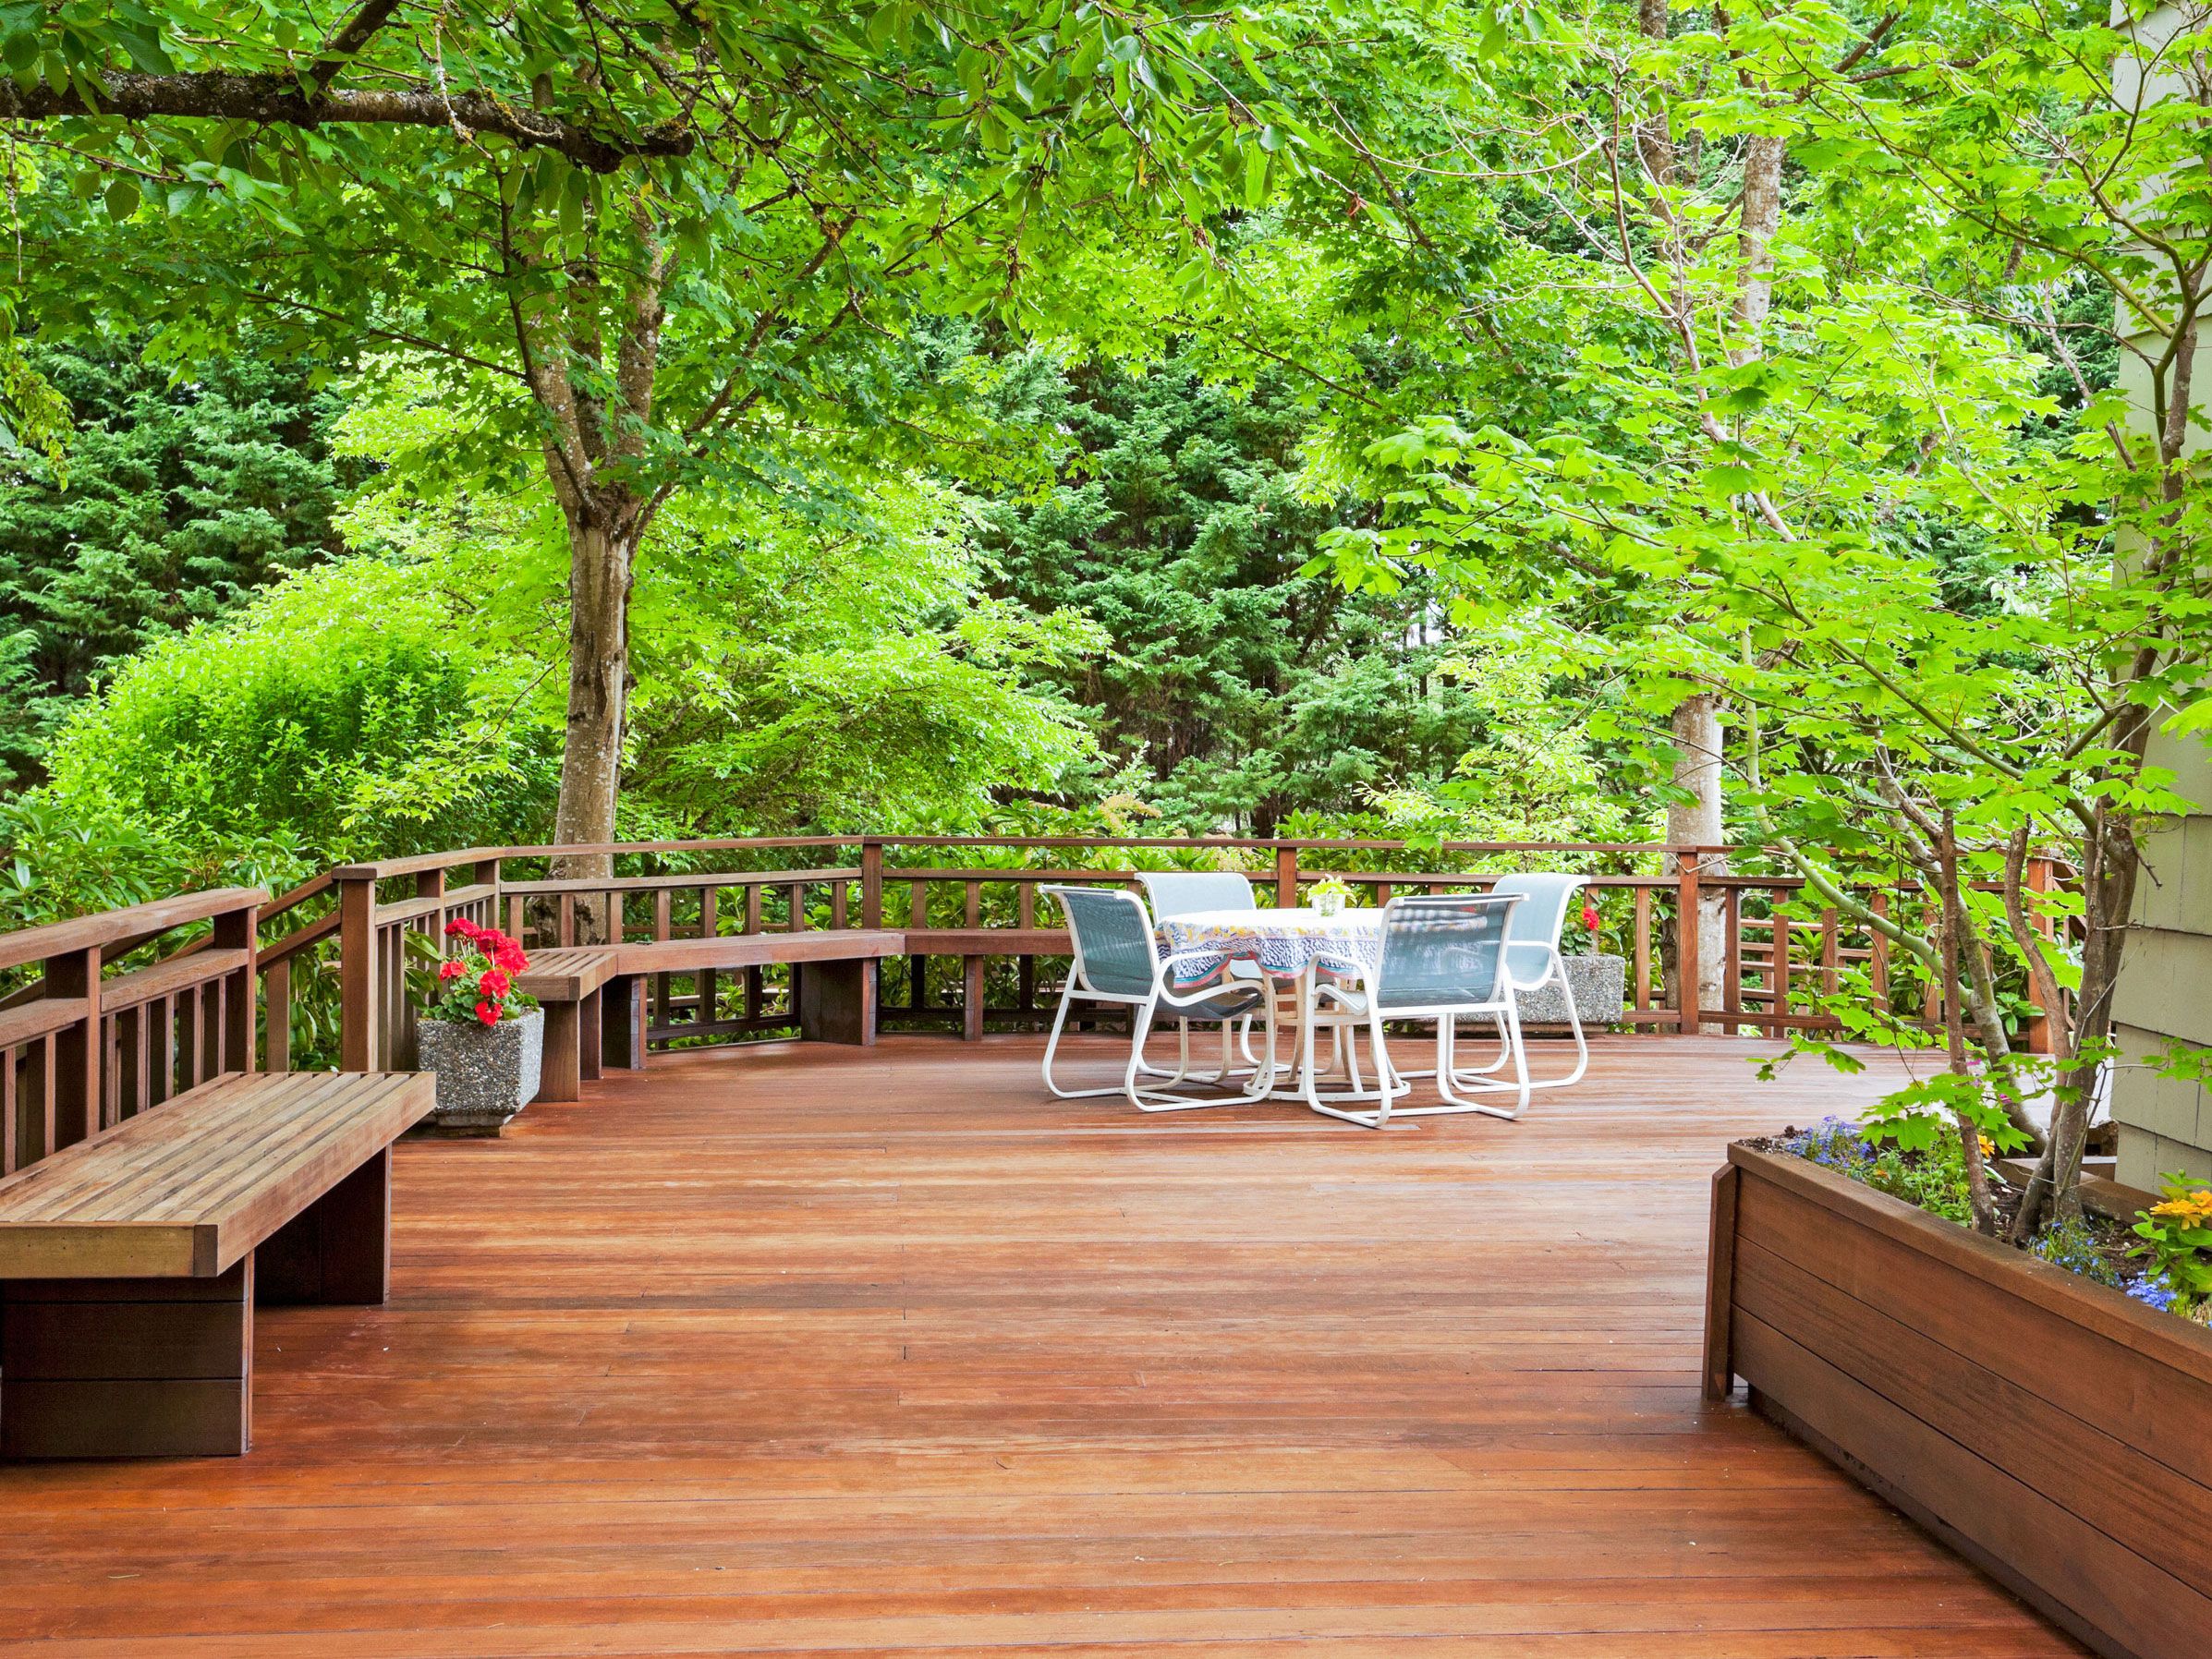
x: 101, y: 1035
x: 110, y: 1026
x: 991, y: 946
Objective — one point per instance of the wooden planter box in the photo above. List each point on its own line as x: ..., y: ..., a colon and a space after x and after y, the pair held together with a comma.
x: 2051, y: 1430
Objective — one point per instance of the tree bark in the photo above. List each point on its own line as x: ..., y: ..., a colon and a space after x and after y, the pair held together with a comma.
x: 588, y: 454
x: 602, y: 566
x: 1654, y: 136
x: 1759, y: 218
x: 1698, y: 822
x: 279, y: 100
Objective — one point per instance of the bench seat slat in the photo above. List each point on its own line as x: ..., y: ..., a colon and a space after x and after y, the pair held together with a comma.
x: 988, y: 942
x: 566, y: 974
x: 141, y: 1168
x: 298, y: 1124
x: 759, y: 949
x: 188, y: 1189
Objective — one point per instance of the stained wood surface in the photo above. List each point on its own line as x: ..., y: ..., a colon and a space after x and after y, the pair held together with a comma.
x: 754, y: 950
x: 566, y: 974
x: 133, y: 923
x: 190, y: 1189
x: 808, y: 1349
x: 987, y: 941
x: 2050, y: 1426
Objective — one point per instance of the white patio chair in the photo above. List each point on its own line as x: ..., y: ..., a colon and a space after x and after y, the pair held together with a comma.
x: 1116, y: 962
x: 1533, y: 958
x: 1186, y: 893
x: 1443, y: 958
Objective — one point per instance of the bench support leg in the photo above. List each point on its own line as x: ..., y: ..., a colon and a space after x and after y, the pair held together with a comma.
x: 622, y: 1023
x: 837, y: 1002
x: 560, y: 1077
x: 972, y: 998
x: 337, y: 1252
x: 128, y: 1367
x: 589, y: 1052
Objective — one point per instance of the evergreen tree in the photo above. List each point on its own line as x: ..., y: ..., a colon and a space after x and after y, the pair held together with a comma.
x: 173, y: 504
x: 1238, y: 691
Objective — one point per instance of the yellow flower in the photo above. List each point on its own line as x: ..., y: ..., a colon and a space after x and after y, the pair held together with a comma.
x: 1988, y: 1146
x: 2196, y: 1210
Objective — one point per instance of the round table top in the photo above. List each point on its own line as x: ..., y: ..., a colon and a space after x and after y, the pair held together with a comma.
x: 1284, y: 942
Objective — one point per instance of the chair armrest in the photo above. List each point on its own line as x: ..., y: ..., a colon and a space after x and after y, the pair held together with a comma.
x: 1552, y: 962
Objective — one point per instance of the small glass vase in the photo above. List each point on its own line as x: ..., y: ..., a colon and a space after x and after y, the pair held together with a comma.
x: 1328, y: 904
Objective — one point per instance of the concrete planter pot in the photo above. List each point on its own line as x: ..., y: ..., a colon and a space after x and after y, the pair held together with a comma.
x: 486, y: 1073
x: 1599, y: 985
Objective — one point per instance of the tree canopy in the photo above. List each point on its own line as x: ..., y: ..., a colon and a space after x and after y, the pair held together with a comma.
x: 1779, y: 418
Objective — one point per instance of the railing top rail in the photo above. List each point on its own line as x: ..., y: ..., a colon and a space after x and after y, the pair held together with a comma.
x: 419, y: 863
x: 416, y: 864
x: 689, y: 879
x: 134, y: 922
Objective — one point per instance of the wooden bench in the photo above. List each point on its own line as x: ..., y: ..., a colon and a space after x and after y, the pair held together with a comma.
x: 834, y: 993
x: 974, y: 946
x: 571, y: 983
x: 131, y: 1263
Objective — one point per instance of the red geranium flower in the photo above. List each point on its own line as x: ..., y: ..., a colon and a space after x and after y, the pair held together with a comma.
x: 494, y: 983
x: 488, y: 1012
x: 465, y: 927
x: 1589, y: 917
x: 510, y: 957
x: 453, y: 967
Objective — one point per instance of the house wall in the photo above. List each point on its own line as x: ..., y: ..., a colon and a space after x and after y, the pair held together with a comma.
x: 2166, y: 984
x: 2165, y: 988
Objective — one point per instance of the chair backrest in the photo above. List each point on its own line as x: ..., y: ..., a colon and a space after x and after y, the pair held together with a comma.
x: 1541, y: 916
x: 1180, y: 892
x: 1113, y: 936
x: 1444, y: 950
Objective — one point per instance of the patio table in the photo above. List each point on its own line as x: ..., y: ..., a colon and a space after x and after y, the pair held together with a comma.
x: 1286, y: 944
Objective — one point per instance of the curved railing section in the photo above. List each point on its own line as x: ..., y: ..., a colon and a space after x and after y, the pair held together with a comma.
x: 107, y: 1016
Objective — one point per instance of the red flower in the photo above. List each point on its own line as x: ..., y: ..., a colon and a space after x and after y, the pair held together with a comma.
x: 1589, y: 917
x: 453, y: 967
x: 494, y: 983
x: 488, y: 1012
x: 510, y: 957
x: 465, y: 927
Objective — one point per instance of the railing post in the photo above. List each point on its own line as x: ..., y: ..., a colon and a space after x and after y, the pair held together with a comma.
x: 239, y: 931
x: 276, y: 1002
x: 76, y: 1048
x: 1286, y: 877
x: 871, y: 884
x: 1687, y: 956
x: 358, y: 990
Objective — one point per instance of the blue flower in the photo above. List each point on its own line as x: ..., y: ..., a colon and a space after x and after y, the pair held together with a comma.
x: 2153, y: 1293
x: 1833, y: 1143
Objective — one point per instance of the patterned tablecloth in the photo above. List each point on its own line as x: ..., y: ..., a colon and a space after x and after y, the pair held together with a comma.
x: 1284, y: 942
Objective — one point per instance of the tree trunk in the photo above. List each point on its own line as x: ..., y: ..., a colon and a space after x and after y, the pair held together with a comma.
x: 600, y: 564
x: 1697, y: 823
x: 1760, y: 218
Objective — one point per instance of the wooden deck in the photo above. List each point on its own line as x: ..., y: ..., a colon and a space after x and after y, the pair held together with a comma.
x: 805, y: 1350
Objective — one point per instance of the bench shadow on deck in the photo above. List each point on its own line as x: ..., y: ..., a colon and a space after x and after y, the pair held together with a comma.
x: 803, y: 1349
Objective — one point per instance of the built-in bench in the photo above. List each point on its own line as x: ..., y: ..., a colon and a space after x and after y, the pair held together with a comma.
x: 833, y: 994
x: 974, y: 946
x: 155, y: 1189
x: 598, y: 1013
x: 131, y: 1264
x: 570, y: 983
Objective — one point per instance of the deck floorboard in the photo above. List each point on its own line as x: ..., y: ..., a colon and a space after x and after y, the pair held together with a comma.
x: 808, y: 1350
